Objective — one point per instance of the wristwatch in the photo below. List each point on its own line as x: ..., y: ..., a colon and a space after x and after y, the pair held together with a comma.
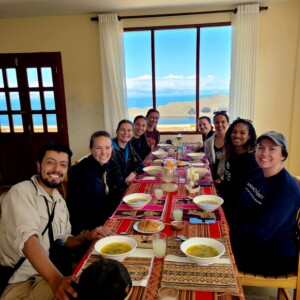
x: 82, y: 232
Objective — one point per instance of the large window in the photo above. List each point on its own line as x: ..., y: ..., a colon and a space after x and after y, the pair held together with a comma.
x: 184, y: 72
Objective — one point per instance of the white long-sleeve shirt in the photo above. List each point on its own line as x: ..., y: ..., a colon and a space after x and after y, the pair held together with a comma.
x: 23, y: 214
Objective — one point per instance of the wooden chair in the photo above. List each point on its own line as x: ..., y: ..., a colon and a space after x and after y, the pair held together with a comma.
x: 283, y: 283
x: 64, y: 186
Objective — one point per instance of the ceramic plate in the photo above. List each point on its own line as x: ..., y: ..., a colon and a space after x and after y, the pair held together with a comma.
x: 162, y: 226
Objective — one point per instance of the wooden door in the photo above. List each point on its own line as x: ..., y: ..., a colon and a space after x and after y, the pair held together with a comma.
x: 32, y: 111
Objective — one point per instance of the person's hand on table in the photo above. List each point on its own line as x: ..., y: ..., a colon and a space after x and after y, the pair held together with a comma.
x: 97, y: 233
x: 200, y: 145
x: 130, y: 178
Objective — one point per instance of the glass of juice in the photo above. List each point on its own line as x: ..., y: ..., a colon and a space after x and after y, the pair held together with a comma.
x: 177, y: 211
x: 158, y: 193
x: 159, y: 244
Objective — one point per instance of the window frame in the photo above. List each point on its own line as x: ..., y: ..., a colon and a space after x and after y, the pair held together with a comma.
x: 168, y: 27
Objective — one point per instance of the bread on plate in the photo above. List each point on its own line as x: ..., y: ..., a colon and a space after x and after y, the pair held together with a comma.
x: 148, y: 225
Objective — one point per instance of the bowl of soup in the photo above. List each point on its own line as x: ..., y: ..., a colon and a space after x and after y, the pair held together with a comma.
x: 164, y: 146
x: 202, y: 251
x: 196, y: 155
x: 115, y: 247
x: 208, y: 202
x: 160, y: 153
x: 137, y: 200
x: 153, y: 170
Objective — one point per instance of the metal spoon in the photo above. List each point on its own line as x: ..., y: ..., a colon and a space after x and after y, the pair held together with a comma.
x: 182, y: 237
x: 136, y: 217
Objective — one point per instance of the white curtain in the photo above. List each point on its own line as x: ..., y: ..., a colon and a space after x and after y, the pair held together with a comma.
x: 112, y: 71
x: 244, y: 61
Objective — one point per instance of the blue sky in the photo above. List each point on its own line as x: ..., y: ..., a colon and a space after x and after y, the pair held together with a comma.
x: 175, y: 61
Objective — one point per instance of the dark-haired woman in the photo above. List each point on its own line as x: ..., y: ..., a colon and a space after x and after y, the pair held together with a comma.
x: 240, y: 161
x: 152, y: 134
x: 126, y: 163
x: 139, y: 140
x: 263, y: 226
x: 206, y: 129
x: 214, y: 146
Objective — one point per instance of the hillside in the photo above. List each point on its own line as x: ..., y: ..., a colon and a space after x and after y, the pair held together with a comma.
x: 181, y: 109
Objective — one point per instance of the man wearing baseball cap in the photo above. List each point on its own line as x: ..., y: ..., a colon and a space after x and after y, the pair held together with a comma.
x: 262, y: 225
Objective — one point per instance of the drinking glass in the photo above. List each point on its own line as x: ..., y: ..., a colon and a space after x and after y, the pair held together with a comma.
x: 168, y: 293
x: 195, y: 177
x: 158, y: 193
x: 159, y: 244
x: 177, y: 211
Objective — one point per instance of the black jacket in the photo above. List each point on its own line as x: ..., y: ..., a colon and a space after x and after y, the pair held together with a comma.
x: 88, y: 204
x: 121, y: 167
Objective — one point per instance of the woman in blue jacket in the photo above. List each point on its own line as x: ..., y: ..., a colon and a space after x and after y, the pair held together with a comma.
x: 263, y: 226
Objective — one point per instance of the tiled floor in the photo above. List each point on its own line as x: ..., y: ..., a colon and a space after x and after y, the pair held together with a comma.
x: 258, y: 293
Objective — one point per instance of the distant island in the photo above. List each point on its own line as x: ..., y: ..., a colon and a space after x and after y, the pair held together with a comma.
x: 183, y: 109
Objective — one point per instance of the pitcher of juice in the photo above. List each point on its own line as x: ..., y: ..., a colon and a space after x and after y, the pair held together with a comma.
x: 169, y: 170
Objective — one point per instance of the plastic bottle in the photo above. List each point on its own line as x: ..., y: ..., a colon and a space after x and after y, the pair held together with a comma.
x: 179, y: 147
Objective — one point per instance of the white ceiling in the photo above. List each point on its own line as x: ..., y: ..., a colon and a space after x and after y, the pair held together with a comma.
x: 34, y: 8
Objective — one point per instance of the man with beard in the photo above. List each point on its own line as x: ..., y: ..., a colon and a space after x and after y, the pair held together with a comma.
x: 25, y: 212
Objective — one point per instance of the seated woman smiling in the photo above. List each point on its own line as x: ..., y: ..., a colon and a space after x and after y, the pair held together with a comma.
x: 139, y: 140
x: 126, y: 163
x: 240, y: 140
x: 263, y: 224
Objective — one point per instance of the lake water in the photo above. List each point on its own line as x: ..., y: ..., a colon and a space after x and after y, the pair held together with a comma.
x: 141, y: 102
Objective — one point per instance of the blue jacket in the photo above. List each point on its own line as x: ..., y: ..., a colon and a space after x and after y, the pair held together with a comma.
x: 263, y: 226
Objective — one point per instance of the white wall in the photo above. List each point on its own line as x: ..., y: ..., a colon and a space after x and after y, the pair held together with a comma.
x: 76, y: 37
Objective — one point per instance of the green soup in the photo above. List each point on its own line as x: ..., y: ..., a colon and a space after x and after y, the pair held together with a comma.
x: 202, y: 251
x: 208, y: 202
x: 116, y: 248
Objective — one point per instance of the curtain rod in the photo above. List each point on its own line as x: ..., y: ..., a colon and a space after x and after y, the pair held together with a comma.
x: 181, y: 14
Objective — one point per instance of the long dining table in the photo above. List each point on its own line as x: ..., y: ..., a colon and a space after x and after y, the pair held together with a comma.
x: 194, y: 282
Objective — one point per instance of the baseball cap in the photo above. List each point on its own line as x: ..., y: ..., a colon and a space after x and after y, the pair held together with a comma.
x: 276, y: 137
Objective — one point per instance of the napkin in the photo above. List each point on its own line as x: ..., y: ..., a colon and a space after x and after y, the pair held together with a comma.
x: 139, y: 265
x: 186, y: 260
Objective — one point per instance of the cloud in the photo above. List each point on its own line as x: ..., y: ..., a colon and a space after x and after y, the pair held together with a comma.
x: 174, y: 85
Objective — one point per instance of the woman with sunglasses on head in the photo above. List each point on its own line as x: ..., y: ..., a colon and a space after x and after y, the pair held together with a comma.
x: 126, y: 163
x: 152, y: 134
x: 214, y: 146
x: 240, y: 161
x: 139, y: 140
x: 206, y: 130
x: 263, y: 223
